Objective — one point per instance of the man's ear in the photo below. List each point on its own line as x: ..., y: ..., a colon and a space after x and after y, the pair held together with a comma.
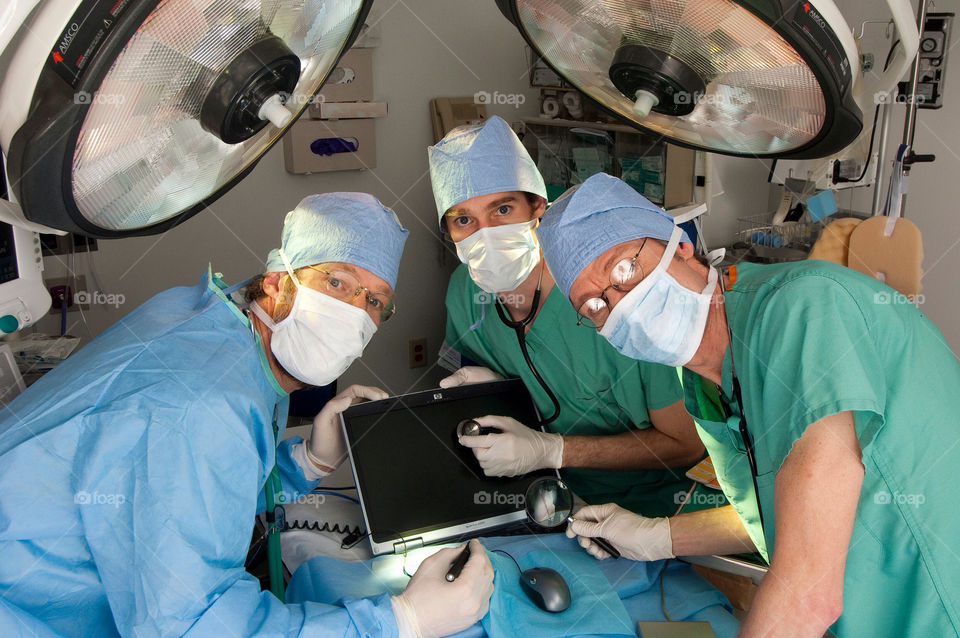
x: 538, y: 209
x: 272, y: 287
x: 685, y: 250
x: 271, y: 283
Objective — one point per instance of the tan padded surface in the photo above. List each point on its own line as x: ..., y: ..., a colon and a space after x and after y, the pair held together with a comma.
x: 834, y: 241
x: 899, y: 257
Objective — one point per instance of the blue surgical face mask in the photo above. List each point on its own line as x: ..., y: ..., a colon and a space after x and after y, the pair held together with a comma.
x: 660, y: 320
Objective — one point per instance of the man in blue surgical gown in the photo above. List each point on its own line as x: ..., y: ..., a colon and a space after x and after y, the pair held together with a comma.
x: 129, y: 475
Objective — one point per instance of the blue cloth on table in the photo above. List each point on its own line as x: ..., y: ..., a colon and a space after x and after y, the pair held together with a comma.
x: 595, y: 609
x: 687, y: 596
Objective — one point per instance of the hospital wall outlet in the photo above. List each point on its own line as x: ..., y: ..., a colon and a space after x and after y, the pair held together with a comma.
x: 68, y: 289
x: 418, y: 352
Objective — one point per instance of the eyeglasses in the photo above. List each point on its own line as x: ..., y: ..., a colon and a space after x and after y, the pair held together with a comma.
x: 346, y: 287
x: 624, y: 277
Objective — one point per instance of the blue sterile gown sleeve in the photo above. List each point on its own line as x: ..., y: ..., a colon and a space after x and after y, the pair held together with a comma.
x: 130, y: 478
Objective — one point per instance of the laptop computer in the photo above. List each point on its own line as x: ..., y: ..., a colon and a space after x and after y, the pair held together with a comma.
x: 417, y: 484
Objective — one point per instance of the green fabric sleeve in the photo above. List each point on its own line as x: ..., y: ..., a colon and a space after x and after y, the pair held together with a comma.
x: 661, y: 385
x: 811, y: 355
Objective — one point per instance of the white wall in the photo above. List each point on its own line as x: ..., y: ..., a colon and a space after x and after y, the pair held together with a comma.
x: 931, y: 201
x: 426, y: 51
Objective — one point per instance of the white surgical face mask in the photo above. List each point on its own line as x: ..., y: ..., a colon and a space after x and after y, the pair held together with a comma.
x: 320, y: 337
x: 500, y: 257
x: 660, y: 320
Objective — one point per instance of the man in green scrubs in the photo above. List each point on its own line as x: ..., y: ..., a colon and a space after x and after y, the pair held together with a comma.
x: 621, y: 433
x: 851, y: 398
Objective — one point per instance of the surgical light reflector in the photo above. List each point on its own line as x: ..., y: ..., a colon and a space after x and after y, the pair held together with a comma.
x: 177, y: 102
x: 758, y: 78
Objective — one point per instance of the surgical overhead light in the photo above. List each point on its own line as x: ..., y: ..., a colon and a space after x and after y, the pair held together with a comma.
x: 760, y: 78
x: 127, y: 117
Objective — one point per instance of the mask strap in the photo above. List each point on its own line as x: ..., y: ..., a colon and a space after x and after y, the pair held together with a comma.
x: 714, y: 257
x: 260, y: 312
x: 255, y: 308
x: 712, y: 277
x: 671, y: 248
x: 693, y: 213
x: 688, y: 213
x: 286, y: 262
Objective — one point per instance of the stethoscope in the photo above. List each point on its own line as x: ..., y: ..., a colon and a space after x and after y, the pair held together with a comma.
x: 742, y: 426
x: 520, y: 328
x: 714, y: 258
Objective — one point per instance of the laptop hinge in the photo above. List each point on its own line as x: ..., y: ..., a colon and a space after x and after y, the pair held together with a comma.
x: 407, y: 545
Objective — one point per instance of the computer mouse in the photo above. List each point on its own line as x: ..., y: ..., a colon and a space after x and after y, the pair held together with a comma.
x: 546, y: 588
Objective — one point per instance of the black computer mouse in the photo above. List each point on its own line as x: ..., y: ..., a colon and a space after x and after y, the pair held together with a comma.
x: 546, y: 588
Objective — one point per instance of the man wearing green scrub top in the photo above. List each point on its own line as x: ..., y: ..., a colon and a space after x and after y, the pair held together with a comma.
x: 621, y: 434
x: 851, y: 398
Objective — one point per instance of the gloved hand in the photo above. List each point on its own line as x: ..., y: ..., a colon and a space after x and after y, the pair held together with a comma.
x: 326, y: 448
x: 469, y: 374
x: 430, y: 606
x: 636, y: 537
x: 516, y: 450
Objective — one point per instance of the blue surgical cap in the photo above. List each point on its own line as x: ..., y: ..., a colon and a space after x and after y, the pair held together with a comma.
x: 478, y: 160
x: 592, y: 218
x: 351, y: 228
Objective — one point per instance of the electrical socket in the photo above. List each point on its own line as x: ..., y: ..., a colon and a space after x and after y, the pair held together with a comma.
x: 77, y: 284
x: 418, y: 352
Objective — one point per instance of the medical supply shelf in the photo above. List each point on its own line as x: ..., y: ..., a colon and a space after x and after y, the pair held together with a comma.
x: 569, y: 151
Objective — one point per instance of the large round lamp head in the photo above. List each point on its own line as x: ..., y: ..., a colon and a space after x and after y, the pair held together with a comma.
x: 761, y: 78
x: 138, y: 114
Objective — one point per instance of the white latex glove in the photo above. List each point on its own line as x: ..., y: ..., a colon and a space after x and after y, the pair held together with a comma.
x: 326, y: 448
x: 470, y: 374
x: 430, y: 606
x: 636, y: 537
x: 516, y: 450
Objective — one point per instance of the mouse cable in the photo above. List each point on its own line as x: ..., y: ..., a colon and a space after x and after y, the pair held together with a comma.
x: 500, y: 551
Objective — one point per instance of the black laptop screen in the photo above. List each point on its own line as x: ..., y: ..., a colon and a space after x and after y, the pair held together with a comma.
x: 413, y: 475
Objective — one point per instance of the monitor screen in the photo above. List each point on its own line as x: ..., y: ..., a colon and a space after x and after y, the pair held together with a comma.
x: 8, y: 254
x: 413, y: 474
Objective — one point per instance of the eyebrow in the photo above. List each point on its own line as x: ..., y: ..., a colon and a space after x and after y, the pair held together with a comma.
x: 455, y: 212
x: 503, y: 200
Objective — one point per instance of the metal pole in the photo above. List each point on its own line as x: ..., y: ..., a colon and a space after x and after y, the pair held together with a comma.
x: 910, y: 123
x: 910, y: 118
x: 881, y: 153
